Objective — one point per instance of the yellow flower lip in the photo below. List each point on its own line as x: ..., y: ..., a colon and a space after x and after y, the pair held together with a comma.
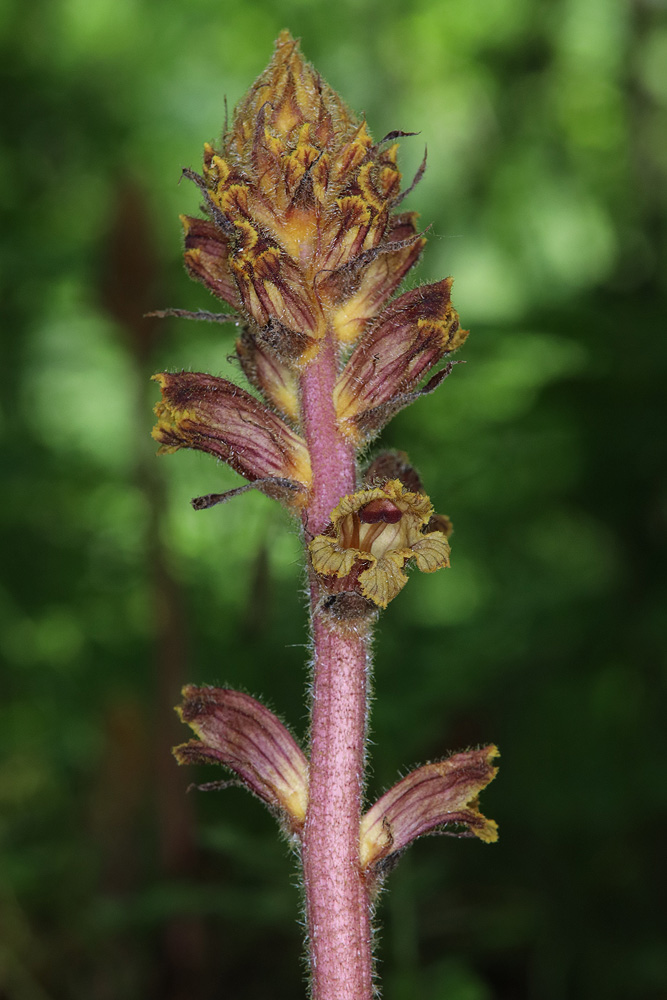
x: 375, y: 532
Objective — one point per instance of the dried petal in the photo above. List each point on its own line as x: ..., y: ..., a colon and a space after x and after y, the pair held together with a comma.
x: 408, y: 338
x: 431, y: 551
x: 329, y: 559
x: 364, y: 293
x: 275, y: 380
x: 426, y: 800
x: 213, y: 415
x: 206, y: 258
x: 239, y: 732
x: 382, y: 582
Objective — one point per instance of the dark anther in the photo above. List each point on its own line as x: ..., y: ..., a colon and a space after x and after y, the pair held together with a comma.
x: 380, y: 510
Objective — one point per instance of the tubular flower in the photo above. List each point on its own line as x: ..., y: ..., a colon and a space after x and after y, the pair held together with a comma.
x: 373, y: 534
x: 404, y: 343
x: 213, y: 415
x: 240, y: 733
x: 301, y: 235
x: 276, y: 381
x: 429, y: 799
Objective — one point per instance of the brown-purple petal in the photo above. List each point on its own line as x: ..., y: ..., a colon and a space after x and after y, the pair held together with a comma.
x: 240, y: 733
x: 406, y: 341
x: 263, y: 369
x: 207, y: 258
x: 428, y: 798
x: 213, y: 415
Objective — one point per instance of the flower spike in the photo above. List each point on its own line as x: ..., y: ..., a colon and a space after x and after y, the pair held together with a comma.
x: 301, y: 236
x: 303, y: 240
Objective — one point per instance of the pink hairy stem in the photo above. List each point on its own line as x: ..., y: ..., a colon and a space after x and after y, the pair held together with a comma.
x: 337, y: 904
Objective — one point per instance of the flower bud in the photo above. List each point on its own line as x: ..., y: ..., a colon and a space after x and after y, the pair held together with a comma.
x: 206, y: 259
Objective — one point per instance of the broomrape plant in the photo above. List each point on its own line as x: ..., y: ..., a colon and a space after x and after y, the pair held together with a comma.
x: 304, y: 239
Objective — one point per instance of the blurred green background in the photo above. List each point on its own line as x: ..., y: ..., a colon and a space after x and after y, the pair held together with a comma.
x: 546, y: 126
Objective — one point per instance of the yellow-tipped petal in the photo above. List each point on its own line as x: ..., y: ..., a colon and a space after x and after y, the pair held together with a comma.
x: 431, y: 552
x: 382, y: 582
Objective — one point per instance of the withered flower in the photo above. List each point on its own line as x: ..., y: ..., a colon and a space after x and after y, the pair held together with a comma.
x: 409, y: 337
x: 373, y: 534
x: 213, y: 415
x: 428, y: 799
x: 240, y: 733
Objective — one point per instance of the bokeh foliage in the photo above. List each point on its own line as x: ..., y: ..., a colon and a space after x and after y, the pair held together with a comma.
x: 546, y: 125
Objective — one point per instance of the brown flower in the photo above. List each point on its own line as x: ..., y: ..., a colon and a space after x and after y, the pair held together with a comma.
x: 377, y: 531
x: 276, y: 381
x: 405, y: 342
x: 213, y: 415
x: 426, y: 800
x: 240, y: 733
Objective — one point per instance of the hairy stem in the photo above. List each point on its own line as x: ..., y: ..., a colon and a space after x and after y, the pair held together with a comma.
x: 336, y: 898
x: 337, y: 906
x: 332, y: 457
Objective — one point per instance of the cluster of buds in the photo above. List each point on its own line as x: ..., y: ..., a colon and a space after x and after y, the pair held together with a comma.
x: 303, y: 239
